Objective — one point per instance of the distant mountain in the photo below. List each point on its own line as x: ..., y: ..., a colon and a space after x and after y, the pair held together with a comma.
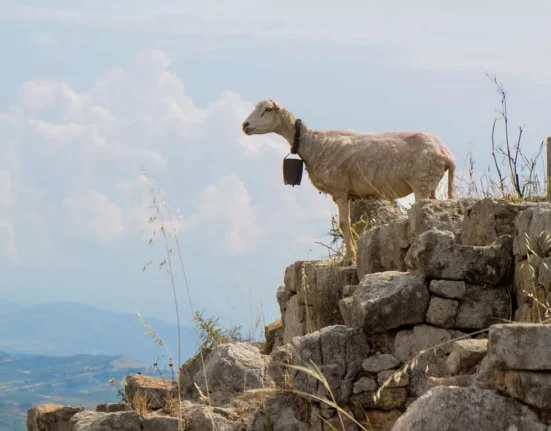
x: 72, y: 328
x: 27, y: 380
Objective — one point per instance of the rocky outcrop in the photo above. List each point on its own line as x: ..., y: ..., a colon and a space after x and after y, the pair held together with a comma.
x: 49, y: 417
x: 460, y: 409
x: 230, y: 370
x: 309, y: 297
x: 153, y: 391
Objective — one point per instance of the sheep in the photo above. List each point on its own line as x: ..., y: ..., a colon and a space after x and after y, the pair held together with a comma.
x: 348, y: 165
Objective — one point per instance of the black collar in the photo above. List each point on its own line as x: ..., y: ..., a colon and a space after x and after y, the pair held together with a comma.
x: 296, y: 139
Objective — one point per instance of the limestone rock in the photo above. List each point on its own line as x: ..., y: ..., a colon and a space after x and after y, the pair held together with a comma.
x: 442, y: 312
x: 365, y: 384
x: 437, y: 255
x: 273, y: 333
x: 376, y: 211
x: 520, y: 346
x: 532, y: 223
x: 380, y: 362
x: 448, y: 288
x: 231, y: 369
x: 201, y: 418
x: 160, y: 423
x: 544, y: 278
x: 383, y: 248
x: 280, y: 357
x: 488, y: 219
x: 154, y: 389
x: 286, y: 412
x: 390, y: 399
x: 309, y: 298
x: 49, y: 417
x: 460, y: 409
x: 381, y: 420
x: 338, y: 351
x: 113, y: 407
x: 397, y: 381
x: 389, y: 300
x: 483, y: 306
x: 526, y: 286
x: 444, y: 215
x: 119, y: 421
x: 466, y: 354
x: 408, y: 343
x: 188, y: 371
x: 530, y: 387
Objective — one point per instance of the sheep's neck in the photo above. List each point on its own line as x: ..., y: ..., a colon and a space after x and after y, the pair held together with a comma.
x: 287, y: 131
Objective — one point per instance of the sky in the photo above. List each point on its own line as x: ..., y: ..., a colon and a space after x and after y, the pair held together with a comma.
x: 92, y: 91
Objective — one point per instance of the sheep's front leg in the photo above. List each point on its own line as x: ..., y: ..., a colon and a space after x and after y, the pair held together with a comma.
x: 343, y: 205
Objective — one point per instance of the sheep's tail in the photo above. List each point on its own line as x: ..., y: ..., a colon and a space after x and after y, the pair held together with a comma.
x: 451, y: 175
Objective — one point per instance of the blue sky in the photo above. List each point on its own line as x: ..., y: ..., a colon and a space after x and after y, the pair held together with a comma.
x: 89, y: 92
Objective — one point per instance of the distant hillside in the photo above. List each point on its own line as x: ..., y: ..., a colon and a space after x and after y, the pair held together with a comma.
x: 26, y: 380
x: 72, y: 328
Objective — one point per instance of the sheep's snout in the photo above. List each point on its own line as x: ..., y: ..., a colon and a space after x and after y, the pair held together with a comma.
x: 247, y: 128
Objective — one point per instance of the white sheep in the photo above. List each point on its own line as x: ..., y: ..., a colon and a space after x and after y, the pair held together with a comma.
x: 349, y: 165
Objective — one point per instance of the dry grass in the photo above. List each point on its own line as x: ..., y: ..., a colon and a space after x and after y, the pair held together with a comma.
x: 140, y: 403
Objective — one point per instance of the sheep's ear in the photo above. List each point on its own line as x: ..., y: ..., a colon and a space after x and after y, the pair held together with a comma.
x: 275, y: 105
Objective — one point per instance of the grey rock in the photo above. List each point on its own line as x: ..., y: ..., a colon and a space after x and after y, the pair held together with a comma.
x: 389, y: 300
x: 442, y: 312
x: 460, y: 409
x: 466, y: 354
x: 187, y: 373
x: 520, y: 346
x: 309, y: 298
x: 483, y: 306
x: 444, y: 215
x: 119, y: 421
x: 160, y: 423
x: 156, y: 390
x: 273, y: 334
x: 390, y: 399
x: 201, y: 418
x: 437, y: 255
x: 376, y: 211
x: 46, y: 417
x: 338, y: 351
x: 530, y: 387
x: 488, y: 219
x: 231, y: 369
x: 365, y: 384
x: 463, y: 380
x: 113, y: 407
x: 448, y: 288
x: 544, y: 279
x: 533, y: 224
x: 380, y: 362
x: 383, y: 248
x: 526, y: 286
x: 409, y: 343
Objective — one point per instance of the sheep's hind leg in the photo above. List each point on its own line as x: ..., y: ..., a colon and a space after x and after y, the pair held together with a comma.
x: 343, y: 205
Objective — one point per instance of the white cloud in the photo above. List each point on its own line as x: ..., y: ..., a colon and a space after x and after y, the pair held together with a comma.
x: 93, y: 216
x: 229, y: 203
x: 75, y: 156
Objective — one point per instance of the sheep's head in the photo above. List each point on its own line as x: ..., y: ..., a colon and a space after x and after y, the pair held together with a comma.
x: 264, y: 118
